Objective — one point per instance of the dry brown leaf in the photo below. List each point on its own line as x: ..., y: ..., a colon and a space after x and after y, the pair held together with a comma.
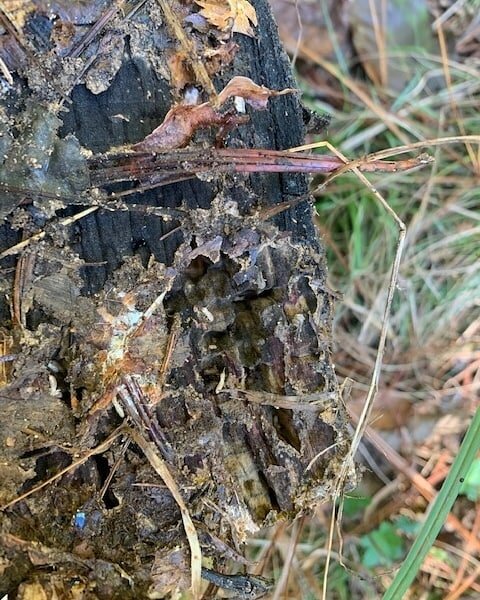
x: 182, y: 121
x: 179, y: 126
x: 237, y: 16
x: 256, y: 95
x: 170, y: 572
x: 180, y: 70
x: 214, y: 59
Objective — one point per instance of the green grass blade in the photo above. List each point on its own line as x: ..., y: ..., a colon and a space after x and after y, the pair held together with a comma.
x: 438, y: 512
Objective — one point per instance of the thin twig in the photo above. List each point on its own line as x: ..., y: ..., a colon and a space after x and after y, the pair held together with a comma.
x: 94, y: 30
x: 161, y: 468
x: 76, y: 463
x: 171, y: 342
x: 160, y: 168
x: 41, y: 234
x: 113, y: 470
x: 138, y: 406
x: 317, y: 401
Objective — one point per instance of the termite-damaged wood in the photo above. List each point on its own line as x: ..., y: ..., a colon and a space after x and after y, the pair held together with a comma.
x: 248, y: 309
x: 211, y: 347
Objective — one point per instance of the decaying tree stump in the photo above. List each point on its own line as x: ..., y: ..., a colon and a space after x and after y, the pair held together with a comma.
x: 171, y: 369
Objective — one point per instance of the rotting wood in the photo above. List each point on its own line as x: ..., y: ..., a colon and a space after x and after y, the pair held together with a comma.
x: 240, y: 304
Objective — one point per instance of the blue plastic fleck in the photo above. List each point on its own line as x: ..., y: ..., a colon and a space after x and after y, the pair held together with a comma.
x: 80, y: 520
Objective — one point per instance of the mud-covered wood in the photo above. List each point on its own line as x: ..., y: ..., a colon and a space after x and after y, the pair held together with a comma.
x: 212, y: 343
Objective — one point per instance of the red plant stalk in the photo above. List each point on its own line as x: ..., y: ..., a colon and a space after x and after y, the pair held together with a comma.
x: 155, y: 169
x: 164, y: 167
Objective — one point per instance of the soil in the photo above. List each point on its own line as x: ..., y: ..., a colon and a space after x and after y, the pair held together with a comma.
x: 203, y: 335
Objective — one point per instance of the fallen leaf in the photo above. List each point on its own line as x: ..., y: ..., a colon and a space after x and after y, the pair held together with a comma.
x: 183, y: 120
x: 179, y: 126
x: 170, y: 571
x: 256, y: 95
x: 214, y: 59
x: 237, y: 16
x: 180, y: 71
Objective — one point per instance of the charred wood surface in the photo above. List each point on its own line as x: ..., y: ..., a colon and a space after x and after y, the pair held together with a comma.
x: 207, y: 330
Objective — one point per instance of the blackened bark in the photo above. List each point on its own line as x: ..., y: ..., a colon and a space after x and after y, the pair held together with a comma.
x: 213, y: 375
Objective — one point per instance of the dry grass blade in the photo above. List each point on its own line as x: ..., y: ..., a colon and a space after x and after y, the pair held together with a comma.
x: 287, y: 564
x: 389, y: 152
x: 465, y: 585
x: 390, y: 120
x: 41, y: 234
x: 161, y: 468
x: 462, y: 572
x: 474, y: 158
x: 439, y: 141
x: 76, y: 463
x: 189, y: 48
x: 5, y: 72
x: 373, y: 387
x: 307, y: 402
x: 379, y: 31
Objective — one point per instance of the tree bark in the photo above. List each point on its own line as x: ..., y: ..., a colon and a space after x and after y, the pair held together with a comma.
x: 204, y: 336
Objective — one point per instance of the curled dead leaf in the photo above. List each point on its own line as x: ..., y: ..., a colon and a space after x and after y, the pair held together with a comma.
x: 180, y: 124
x: 256, y: 95
x: 182, y: 121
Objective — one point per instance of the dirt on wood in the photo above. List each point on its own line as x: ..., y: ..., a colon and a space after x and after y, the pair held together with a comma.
x: 160, y: 373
